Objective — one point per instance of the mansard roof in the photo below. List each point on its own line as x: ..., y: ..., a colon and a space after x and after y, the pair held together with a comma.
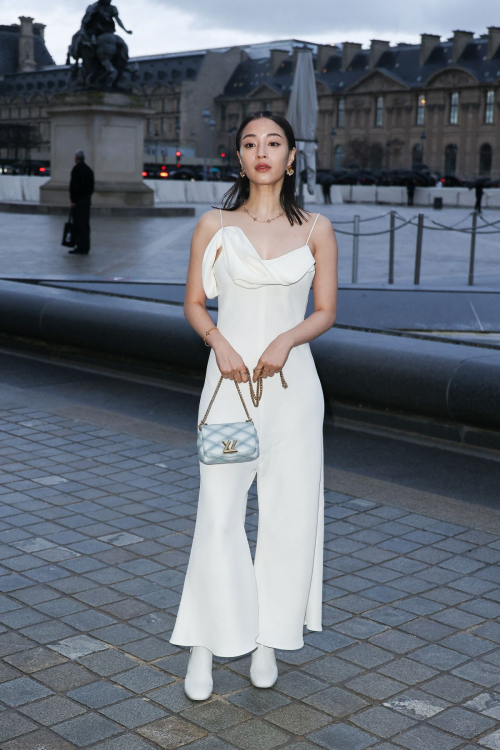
x: 9, y: 49
x: 166, y: 69
x: 399, y: 63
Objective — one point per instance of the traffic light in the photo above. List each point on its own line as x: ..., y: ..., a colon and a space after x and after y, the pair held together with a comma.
x: 178, y: 155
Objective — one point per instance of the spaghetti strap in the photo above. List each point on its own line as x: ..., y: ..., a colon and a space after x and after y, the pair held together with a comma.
x: 221, y: 224
x: 315, y: 220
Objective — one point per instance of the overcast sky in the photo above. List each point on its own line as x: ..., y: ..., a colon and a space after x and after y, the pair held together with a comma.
x: 176, y: 25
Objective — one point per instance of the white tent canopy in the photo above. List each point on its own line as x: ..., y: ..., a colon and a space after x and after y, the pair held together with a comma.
x: 302, y: 114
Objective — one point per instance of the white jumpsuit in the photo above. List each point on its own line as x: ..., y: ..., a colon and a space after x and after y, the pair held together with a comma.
x: 230, y: 604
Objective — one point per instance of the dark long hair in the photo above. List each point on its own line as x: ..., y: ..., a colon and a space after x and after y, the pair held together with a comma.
x: 239, y: 192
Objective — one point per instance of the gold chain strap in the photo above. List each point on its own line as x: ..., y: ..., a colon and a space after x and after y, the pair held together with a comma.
x: 256, y: 397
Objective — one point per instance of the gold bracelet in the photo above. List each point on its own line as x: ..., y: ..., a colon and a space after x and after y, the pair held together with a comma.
x: 206, y: 334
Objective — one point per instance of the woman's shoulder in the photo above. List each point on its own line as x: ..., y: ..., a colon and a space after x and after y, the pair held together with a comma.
x: 319, y: 221
x: 209, y: 220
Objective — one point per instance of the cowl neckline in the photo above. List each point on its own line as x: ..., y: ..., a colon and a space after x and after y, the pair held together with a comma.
x: 245, y: 266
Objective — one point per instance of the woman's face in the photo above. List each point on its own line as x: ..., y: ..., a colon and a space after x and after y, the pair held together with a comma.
x: 264, y: 152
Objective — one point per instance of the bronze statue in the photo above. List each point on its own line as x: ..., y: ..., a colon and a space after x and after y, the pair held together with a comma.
x: 104, y: 54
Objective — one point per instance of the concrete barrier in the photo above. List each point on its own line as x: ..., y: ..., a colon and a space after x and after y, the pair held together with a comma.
x: 23, y: 188
x: 457, y: 384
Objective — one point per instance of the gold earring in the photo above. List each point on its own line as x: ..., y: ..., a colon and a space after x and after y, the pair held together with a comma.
x: 289, y: 171
x: 242, y: 171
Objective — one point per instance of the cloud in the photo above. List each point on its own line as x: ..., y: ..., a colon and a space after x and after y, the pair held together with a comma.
x: 297, y: 18
x: 161, y: 26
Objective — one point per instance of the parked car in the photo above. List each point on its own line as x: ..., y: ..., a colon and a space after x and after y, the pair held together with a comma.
x: 183, y: 173
x: 451, y: 181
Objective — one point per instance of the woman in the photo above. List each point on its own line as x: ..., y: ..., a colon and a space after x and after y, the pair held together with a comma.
x: 257, y: 256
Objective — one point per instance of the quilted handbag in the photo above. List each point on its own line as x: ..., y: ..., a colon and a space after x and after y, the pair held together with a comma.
x: 230, y: 442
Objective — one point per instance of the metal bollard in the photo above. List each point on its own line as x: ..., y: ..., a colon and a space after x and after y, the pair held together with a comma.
x: 355, y: 250
x: 472, y: 248
x: 392, y: 237
x: 418, y: 253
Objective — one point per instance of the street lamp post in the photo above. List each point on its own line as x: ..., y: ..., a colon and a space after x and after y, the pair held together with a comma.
x: 333, y: 133
x: 157, y: 136
x: 230, y: 134
x: 212, y: 125
x: 177, y: 135
x: 206, y: 117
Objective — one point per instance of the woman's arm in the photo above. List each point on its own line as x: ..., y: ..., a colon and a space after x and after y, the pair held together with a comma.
x: 325, y: 285
x: 229, y: 361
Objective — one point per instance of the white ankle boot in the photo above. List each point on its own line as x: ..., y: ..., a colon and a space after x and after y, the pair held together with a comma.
x: 199, y: 683
x: 263, y: 669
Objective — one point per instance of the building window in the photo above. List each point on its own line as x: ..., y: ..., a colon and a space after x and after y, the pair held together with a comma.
x: 421, y: 110
x: 454, y: 108
x: 338, y: 158
x: 376, y: 155
x: 341, y: 113
x: 450, y: 159
x: 485, y: 159
x: 163, y: 125
x: 490, y: 105
x: 164, y: 105
x: 379, y: 112
x: 150, y: 126
x: 244, y: 109
x: 265, y: 106
x: 417, y: 155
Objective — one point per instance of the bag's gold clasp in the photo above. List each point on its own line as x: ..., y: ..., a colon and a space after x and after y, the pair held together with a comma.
x: 228, y: 448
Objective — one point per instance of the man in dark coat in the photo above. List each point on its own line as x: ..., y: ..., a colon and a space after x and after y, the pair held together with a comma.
x: 81, y: 187
x: 479, y: 195
x: 410, y: 191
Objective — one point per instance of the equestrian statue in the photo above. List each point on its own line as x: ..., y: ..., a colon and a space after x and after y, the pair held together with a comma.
x: 104, y: 54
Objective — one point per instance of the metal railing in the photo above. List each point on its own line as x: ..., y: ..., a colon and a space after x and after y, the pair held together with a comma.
x: 418, y: 221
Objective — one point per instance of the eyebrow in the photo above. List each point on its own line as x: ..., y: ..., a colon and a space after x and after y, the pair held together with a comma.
x: 252, y: 135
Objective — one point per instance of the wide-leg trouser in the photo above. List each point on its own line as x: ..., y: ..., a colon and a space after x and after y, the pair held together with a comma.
x: 229, y: 604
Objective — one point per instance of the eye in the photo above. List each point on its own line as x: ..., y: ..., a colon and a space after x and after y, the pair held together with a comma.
x: 275, y: 143
x: 249, y: 144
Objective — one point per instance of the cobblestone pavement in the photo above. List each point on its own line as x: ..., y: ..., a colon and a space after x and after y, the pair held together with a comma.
x: 158, y: 248
x: 95, y: 530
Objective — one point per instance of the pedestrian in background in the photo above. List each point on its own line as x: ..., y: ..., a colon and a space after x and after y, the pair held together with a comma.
x: 410, y: 190
x: 479, y: 196
x: 326, y: 184
x: 81, y: 187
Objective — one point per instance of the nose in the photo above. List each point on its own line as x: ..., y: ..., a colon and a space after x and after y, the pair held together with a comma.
x: 261, y: 150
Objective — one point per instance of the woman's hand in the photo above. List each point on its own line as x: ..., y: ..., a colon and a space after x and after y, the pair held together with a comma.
x: 273, y: 358
x: 230, y: 363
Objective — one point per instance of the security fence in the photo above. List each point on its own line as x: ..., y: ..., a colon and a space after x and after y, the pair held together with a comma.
x: 421, y: 222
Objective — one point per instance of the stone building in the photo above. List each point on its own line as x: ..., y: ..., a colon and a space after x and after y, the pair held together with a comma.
x: 387, y: 107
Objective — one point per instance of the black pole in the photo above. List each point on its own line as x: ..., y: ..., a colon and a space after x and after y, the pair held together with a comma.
x: 418, y: 254
x: 392, y: 237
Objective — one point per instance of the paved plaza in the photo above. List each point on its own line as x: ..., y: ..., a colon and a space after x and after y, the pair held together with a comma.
x: 158, y: 248
x: 97, y: 511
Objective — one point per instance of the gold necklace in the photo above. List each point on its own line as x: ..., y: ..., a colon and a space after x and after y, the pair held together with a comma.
x: 262, y: 221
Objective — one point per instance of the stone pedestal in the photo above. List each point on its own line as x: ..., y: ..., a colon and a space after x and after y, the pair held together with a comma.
x: 109, y: 127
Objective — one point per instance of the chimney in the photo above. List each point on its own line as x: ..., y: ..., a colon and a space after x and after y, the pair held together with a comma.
x: 277, y: 57
x: 493, y: 41
x: 377, y: 47
x: 39, y: 29
x: 460, y: 40
x: 26, y: 54
x: 427, y: 44
x: 325, y: 51
x: 349, y: 51
x: 296, y: 51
